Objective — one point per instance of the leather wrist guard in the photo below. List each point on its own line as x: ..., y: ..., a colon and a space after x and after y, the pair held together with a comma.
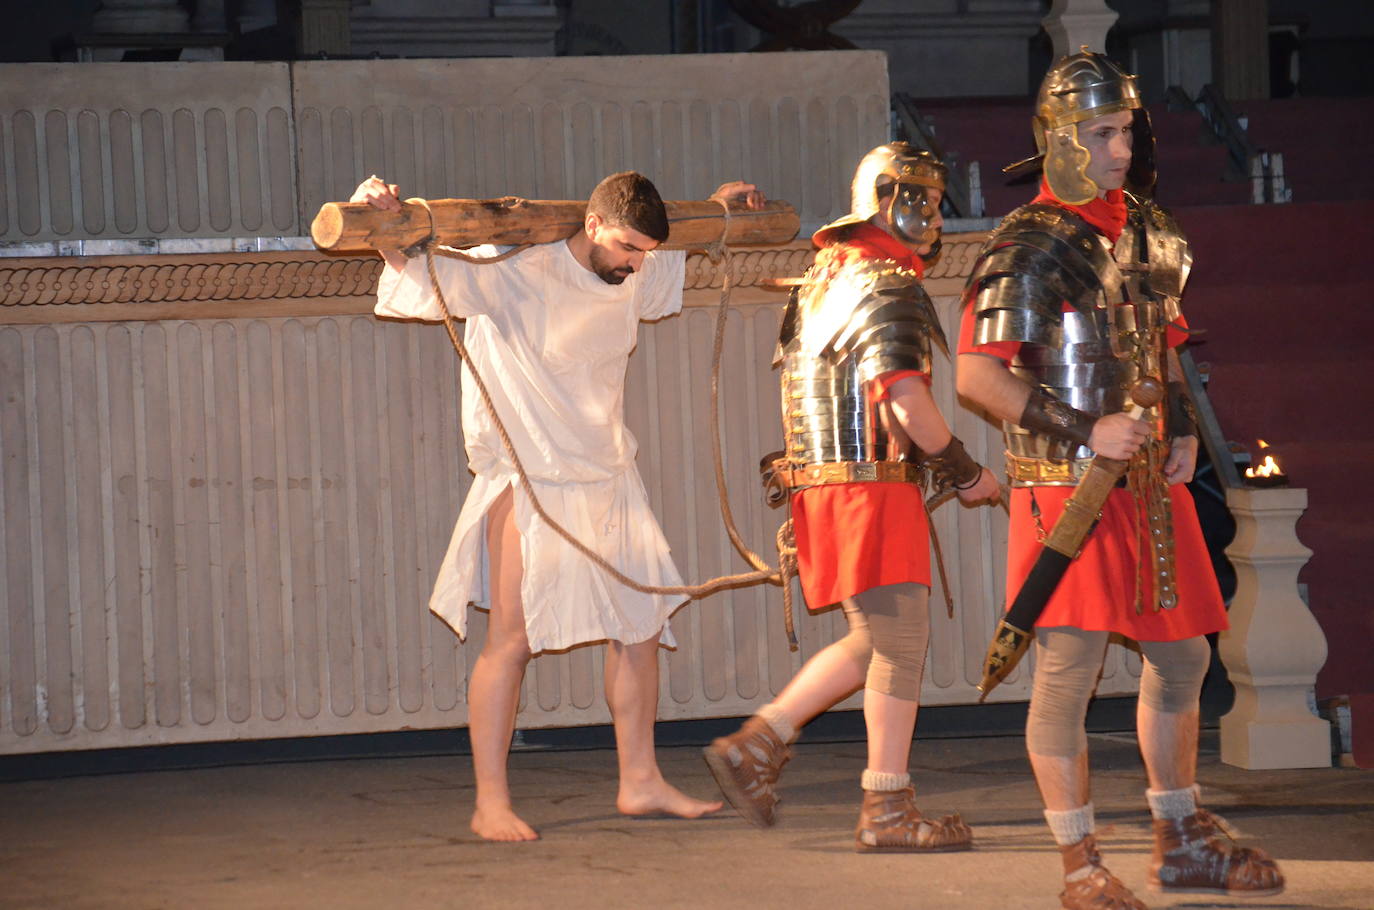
x: 1049, y: 416
x: 953, y: 467
x: 1182, y: 418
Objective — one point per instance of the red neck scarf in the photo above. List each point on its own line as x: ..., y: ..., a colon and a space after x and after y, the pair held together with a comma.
x: 1107, y: 215
x: 865, y: 241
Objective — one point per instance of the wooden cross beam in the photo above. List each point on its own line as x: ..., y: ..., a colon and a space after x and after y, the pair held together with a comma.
x: 355, y: 226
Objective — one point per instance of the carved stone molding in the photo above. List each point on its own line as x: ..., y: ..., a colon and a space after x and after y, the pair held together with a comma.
x: 946, y: 276
x: 957, y: 256
x: 749, y: 266
x: 214, y: 285
x: 296, y: 283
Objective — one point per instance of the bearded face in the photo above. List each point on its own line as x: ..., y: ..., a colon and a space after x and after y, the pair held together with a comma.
x: 610, y: 269
x: 616, y: 252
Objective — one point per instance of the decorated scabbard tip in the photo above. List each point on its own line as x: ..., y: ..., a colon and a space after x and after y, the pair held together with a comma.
x: 1008, y: 646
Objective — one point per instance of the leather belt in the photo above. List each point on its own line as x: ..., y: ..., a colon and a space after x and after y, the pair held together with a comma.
x: 815, y: 475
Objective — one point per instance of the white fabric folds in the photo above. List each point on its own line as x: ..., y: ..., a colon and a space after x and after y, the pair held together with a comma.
x: 552, y: 342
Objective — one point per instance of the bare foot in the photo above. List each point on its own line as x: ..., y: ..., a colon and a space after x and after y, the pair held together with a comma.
x: 501, y: 824
x: 659, y: 796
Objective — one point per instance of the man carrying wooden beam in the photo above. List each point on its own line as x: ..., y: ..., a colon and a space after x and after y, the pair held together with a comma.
x: 550, y: 331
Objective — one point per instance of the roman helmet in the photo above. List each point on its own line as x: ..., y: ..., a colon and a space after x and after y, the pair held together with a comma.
x: 910, y: 173
x: 1077, y: 89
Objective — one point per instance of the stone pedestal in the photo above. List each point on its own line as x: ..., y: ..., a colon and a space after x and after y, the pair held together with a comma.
x: 1071, y: 24
x: 1274, y: 647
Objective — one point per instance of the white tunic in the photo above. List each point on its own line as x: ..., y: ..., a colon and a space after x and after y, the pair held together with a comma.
x: 552, y: 342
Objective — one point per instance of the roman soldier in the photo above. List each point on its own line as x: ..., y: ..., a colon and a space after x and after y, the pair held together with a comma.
x: 1074, y: 300
x: 862, y: 434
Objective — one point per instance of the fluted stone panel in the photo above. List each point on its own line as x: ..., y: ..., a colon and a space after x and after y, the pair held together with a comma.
x: 551, y: 128
x: 141, y: 150
x: 205, y: 150
x: 221, y: 519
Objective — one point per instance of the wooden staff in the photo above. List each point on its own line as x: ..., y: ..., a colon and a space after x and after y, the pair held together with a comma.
x: 356, y: 226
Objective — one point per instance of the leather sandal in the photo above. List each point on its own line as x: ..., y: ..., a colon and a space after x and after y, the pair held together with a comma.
x: 1087, y: 883
x: 1197, y: 855
x: 746, y: 765
x: 889, y: 822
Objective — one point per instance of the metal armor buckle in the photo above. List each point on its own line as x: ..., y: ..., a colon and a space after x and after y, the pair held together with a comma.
x: 1037, y: 472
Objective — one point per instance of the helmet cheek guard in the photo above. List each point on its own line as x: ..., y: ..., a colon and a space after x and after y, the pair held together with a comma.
x: 934, y: 253
x: 1066, y: 165
x: 913, y: 215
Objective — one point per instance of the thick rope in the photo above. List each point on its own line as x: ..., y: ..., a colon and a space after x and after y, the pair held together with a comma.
x: 698, y: 590
x: 939, y: 559
x: 722, y: 255
x: 451, y: 253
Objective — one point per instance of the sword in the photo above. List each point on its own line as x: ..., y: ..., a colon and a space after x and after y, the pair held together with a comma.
x: 1014, y: 631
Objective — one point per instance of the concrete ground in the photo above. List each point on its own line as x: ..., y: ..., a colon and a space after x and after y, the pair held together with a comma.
x: 380, y: 833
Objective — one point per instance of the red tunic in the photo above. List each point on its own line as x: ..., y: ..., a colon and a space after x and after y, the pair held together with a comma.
x: 856, y: 536
x: 1098, y: 593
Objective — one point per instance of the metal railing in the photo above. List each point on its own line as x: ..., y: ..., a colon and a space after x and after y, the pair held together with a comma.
x: 1263, y: 168
x: 963, y: 186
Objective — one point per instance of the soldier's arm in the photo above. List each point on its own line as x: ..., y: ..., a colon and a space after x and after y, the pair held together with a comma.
x: 1183, y: 444
x: 914, y: 408
x: 987, y: 382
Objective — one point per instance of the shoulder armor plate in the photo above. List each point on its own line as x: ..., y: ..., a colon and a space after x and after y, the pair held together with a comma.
x: 1166, y: 253
x: 873, y: 311
x: 1040, y: 257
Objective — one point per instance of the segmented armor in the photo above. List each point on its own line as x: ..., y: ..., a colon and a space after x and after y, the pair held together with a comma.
x: 840, y: 331
x: 1092, y: 318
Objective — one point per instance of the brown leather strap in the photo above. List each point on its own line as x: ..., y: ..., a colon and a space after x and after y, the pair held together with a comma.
x: 1182, y: 418
x: 1048, y: 415
x: 953, y: 467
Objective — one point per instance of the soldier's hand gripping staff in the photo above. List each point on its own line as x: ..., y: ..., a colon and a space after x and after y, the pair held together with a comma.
x: 1074, y: 301
x: 862, y: 433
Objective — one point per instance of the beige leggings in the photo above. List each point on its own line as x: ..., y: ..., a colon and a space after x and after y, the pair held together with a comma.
x: 889, y: 630
x: 1068, y: 662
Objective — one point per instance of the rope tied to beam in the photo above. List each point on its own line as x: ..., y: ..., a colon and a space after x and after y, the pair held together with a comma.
x: 719, y: 253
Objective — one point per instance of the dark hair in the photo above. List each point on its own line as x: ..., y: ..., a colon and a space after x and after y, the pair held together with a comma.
x: 629, y: 199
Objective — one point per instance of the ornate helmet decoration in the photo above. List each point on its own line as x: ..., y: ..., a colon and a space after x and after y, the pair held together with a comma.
x: 1079, y: 88
x: 895, y: 168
